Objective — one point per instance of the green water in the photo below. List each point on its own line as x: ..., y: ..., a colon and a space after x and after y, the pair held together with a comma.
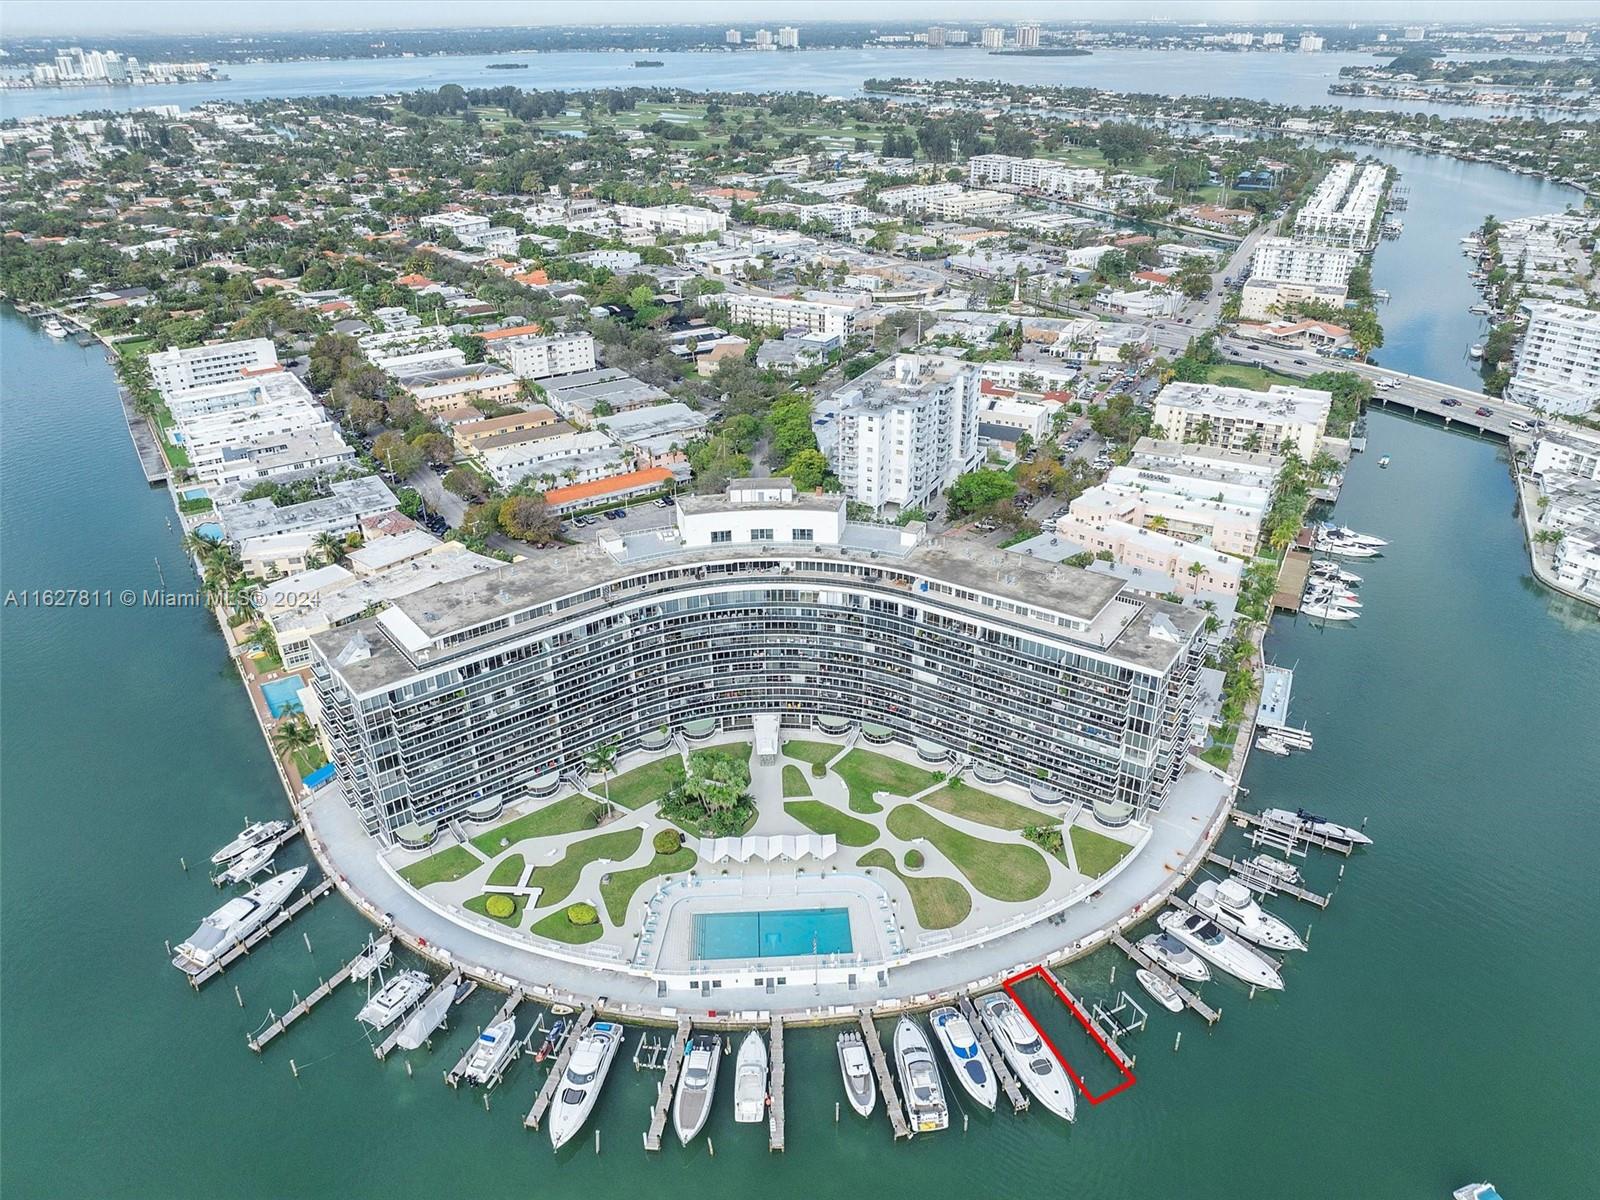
x: 1442, y: 1027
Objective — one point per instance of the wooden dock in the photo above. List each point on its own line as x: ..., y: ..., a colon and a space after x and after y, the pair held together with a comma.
x: 383, y: 1048
x: 1291, y: 833
x: 1190, y: 1000
x: 775, y: 1115
x: 997, y: 1061
x: 260, y: 1041
x: 1260, y: 881
x: 1292, y: 580
x: 547, y: 1093
x: 880, y: 1067
x: 669, y: 1084
x: 151, y: 461
x: 284, y: 915
x: 454, y: 1074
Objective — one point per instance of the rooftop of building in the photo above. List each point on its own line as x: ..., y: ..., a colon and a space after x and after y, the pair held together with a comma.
x: 350, y: 500
x: 1281, y: 400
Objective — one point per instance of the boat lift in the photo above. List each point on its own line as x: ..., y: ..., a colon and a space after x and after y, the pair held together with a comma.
x: 652, y: 1051
x: 1112, y: 1018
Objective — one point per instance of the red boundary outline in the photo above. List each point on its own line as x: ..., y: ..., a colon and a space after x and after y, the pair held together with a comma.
x: 1128, y: 1079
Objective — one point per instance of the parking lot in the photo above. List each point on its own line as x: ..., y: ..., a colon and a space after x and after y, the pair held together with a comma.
x: 648, y: 514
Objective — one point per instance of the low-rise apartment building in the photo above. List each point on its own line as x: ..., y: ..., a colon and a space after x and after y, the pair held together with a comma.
x: 820, y: 312
x: 200, y: 366
x: 1234, y: 418
x: 533, y: 357
x: 684, y: 220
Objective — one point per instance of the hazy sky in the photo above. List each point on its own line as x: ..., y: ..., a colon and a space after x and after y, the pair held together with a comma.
x: 93, y: 18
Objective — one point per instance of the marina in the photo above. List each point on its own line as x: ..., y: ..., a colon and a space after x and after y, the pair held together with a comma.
x: 506, y: 1012
x: 662, y: 1108
x: 306, y: 898
x: 278, y: 1026
x: 552, y: 1083
x: 443, y: 991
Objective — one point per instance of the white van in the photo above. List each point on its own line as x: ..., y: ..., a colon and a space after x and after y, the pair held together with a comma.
x: 1521, y: 427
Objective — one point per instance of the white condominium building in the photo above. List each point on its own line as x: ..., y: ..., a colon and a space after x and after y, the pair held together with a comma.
x: 906, y: 436
x: 534, y: 357
x: 685, y: 220
x: 1574, y: 452
x: 274, y: 387
x: 994, y: 37
x: 1558, y: 364
x: 1301, y: 262
x: 1239, y: 419
x: 1039, y: 174
x: 174, y: 370
x: 788, y: 37
x: 944, y: 201
x: 818, y: 312
x: 1027, y: 35
x: 470, y: 229
x: 1341, y: 210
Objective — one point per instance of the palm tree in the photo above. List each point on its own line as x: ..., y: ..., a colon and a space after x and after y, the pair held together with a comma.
x: 293, y: 735
x: 331, y: 547
x: 603, y: 758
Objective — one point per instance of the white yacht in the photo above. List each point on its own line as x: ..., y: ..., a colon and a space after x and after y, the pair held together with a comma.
x: 54, y: 328
x: 251, y: 836
x: 1040, y: 1070
x: 926, y: 1109
x: 247, y: 866
x: 1476, y: 1191
x: 1312, y: 823
x: 1334, y: 596
x: 1475, y: 351
x: 1384, y: 461
x: 1328, y: 612
x: 371, y: 958
x: 855, y: 1068
x: 1345, y: 534
x: 1173, y: 957
x: 235, y: 921
x: 968, y: 1063
x: 585, y: 1076
x: 394, y: 998
x: 426, y: 1019
x: 692, y: 1105
x: 1160, y: 990
x: 1326, y: 568
x: 1345, y: 549
x: 1270, y: 744
x: 1221, y: 949
x: 490, y: 1052
x: 1233, y: 906
x: 1274, y: 868
x: 750, y: 1080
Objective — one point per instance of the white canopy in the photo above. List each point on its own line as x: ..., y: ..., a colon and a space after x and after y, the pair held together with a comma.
x: 771, y: 849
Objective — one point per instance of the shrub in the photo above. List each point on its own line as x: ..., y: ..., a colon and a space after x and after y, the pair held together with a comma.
x: 913, y: 860
x: 499, y: 906
x: 818, y: 770
x: 668, y: 841
x: 582, y: 914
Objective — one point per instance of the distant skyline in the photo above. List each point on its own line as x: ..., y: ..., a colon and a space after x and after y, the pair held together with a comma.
x: 108, y: 18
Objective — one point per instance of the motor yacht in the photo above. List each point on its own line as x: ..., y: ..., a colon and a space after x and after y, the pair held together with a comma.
x: 247, y: 866
x: 1160, y: 990
x: 426, y: 1019
x: 1328, y: 612
x: 1173, y: 957
x: 855, y: 1068
x: 1274, y: 868
x: 1312, y: 823
x: 750, y: 1080
x: 491, y: 1052
x: 968, y: 1063
x: 235, y: 921
x: 926, y: 1109
x: 54, y: 328
x: 1269, y: 744
x: 585, y: 1076
x: 250, y: 836
x: 393, y: 999
x: 1344, y: 549
x: 692, y: 1105
x: 1325, y: 568
x: 1335, y: 596
x: 1234, y: 907
x: 1345, y: 534
x: 1220, y: 948
x: 1035, y: 1063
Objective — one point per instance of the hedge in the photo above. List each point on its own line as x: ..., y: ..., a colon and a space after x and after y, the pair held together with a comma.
x: 499, y: 905
x: 582, y: 914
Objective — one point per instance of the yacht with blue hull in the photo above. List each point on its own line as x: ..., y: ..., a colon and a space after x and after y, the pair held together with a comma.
x: 968, y: 1063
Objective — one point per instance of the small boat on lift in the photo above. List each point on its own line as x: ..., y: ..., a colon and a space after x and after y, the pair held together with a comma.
x: 1160, y: 990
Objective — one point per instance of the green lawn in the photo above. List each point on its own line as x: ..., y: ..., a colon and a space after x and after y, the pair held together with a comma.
x: 981, y: 806
x: 1096, y: 853
x: 557, y: 928
x: 617, y: 890
x: 794, y: 782
x: 508, y: 871
x: 1004, y: 871
x: 865, y: 772
x: 740, y: 750
x: 940, y: 902
x: 810, y: 752
x: 559, y: 878
x: 1220, y: 753
x: 1259, y: 379
x: 308, y: 759
x: 450, y: 863
x: 564, y: 816
x: 642, y: 785
x: 477, y: 903
x: 825, y: 818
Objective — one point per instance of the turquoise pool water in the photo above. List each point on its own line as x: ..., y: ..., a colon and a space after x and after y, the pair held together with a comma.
x: 786, y: 933
x: 283, y: 694
x: 209, y: 530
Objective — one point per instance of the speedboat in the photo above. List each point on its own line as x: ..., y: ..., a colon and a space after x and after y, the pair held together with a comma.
x: 692, y: 1105
x: 490, y: 1052
x: 1038, y: 1067
x: 1272, y: 745
x: 1328, y: 612
x: 248, y: 865
x: 1160, y: 990
x: 586, y: 1075
x: 1336, y: 597
x: 968, y: 1062
x: 464, y: 989
x: 1173, y: 957
x: 750, y: 1080
x: 926, y: 1110
x: 251, y: 836
x: 1220, y: 948
x: 393, y: 999
x: 1476, y: 1191
x: 235, y: 921
x: 1384, y: 461
x: 1326, y: 568
x: 1345, y: 534
x: 1345, y: 549
x: 1312, y: 823
x: 855, y: 1068
x: 426, y: 1019
x: 370, y: 959
x: 1234, y: 907
x: 1274, y: 868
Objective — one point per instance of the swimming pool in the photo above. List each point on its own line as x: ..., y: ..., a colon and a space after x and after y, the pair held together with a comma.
x: 210, y: 530
x: 785, y: 933
x: 283, y: 695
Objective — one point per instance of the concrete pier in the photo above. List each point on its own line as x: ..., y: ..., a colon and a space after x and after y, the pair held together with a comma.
x: 669, y: 1083
x: 775, y: 1115
x: 1261, y: 882
x: 880, y: 1067
x: 260, y: 1041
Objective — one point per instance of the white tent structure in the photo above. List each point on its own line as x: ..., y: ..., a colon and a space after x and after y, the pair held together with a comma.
x: 785, y: 847
x: 766, y: 730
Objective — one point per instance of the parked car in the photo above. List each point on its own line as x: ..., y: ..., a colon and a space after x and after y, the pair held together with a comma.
x: 661, y: 502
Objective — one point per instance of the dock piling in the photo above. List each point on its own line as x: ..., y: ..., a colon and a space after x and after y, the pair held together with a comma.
x: 1177, y: 1041
x: 307, y: 937
x: 294, y: 1069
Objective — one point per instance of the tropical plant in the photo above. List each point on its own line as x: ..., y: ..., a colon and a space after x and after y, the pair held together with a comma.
x: 500, y: 906
x: 293, y: 735
x: 667, y: 841
x: 603, y: 759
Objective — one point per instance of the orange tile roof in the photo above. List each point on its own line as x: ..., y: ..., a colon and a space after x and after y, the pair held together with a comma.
x: 650, y: 476
x: 537, y: 277
x: 414, y: 281
x: 495, y: 335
